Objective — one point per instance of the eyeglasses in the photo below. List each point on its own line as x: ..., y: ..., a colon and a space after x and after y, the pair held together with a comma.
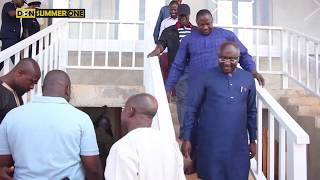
x: 230, y: 59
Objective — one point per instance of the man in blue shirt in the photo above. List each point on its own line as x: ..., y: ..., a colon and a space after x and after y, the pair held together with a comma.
x: 164, y: 13
x: 200, y: 50
x: 48, y: 138
x: 11, y: 26
x: 224, y: 106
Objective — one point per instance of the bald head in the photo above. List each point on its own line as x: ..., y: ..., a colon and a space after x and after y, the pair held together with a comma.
x: 138, y: 112
x: 144, y: 103
x: 23, y: 76
x: 229, y: 48
x: 57, y: 84
x: 28, y: 65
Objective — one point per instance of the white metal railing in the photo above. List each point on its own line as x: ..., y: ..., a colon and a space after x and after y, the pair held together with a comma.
x: 285, y: 52
x: 301, y: 60
x: 291, y: 137
x: 51, y: 52
x: 263, y: 43
x: 268, y: 45
x: 153, y: 84
x: 114, y: 40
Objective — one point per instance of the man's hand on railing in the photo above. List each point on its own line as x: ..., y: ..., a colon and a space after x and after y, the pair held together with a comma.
x: 252, y: 149
x: 156, y: 52
x: 6, y: 173
x: 259, y: 77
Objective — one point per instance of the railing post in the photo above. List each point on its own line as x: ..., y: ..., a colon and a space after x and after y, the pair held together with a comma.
x: 317, y: 48
x: 260, y: 137
x: 271, y: 138
x: 296, y: 160
x: 282, y: 153
x: 284, y: 59
x: 64, y: 46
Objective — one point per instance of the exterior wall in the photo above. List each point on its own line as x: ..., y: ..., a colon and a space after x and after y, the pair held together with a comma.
x: 295, y: 14
x: 195, y: 6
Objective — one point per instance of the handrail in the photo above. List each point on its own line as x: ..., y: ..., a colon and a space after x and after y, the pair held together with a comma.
x: 301, y: 60
x: 153, y: 84
x: 292, y: 139
x: 311, y: 38
x: 248, y: 27
x: 282, y: 116
x: 7, y: 53
x: 105, y: 21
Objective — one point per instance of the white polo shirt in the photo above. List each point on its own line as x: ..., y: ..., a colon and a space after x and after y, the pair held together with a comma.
x: 46, y: 138
x: 145, y: 154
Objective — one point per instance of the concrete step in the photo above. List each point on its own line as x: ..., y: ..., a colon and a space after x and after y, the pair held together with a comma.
x: 311, y: 125
x: 300, y: 100
x: 308, y: 121
x: 303, y: 110
x: 309, y: 110
x: 294, y: 92
x: 277, y: 93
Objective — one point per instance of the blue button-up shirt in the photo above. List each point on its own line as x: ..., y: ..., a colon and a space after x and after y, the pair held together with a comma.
x: 201, y: 52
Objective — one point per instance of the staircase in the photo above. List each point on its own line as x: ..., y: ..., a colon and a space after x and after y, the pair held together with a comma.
x: 305, y: 109
x: 106, y: 69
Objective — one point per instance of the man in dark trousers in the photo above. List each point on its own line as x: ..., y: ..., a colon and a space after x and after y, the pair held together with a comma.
x: 31, y: 26
x: 11, y: 26
x: 170, y: 38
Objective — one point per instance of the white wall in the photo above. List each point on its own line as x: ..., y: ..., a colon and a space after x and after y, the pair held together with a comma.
x: 196, y: 5
x: 294, y: 14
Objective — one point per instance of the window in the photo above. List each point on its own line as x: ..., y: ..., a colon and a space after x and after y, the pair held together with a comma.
x: 242, y: 14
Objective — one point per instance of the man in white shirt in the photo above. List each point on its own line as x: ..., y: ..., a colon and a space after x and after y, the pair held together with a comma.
x: 143, y: 153
x: 167, y: 22
x: 48, y: 138
x: 172, y: 19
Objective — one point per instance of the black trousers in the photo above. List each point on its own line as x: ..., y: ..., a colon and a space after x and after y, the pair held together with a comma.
x: 6, y: 43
